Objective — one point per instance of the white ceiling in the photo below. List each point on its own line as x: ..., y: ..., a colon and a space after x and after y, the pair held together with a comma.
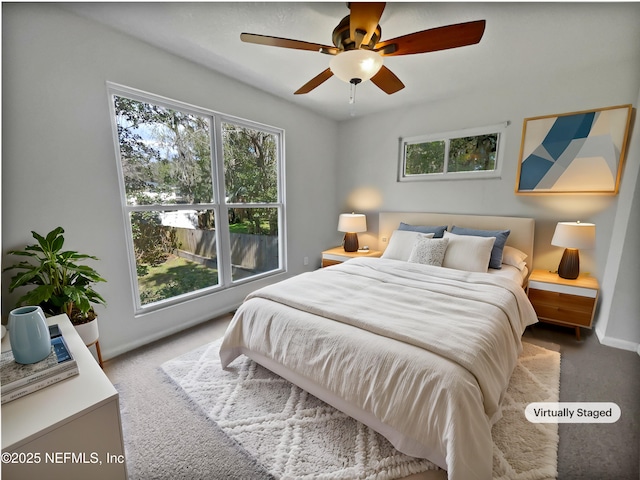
x: 521, y: 39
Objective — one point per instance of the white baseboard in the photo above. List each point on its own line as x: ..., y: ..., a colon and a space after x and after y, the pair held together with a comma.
x: 159, y: 335
x: 618, y: 343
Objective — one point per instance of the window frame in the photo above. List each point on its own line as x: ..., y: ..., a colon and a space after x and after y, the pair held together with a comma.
x: 496, y: 172
x: 218, y: 204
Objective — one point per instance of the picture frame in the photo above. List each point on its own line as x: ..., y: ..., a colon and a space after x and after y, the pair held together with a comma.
x: 574, y: 153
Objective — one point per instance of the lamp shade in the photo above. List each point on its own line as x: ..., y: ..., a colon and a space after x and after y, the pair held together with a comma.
x: 356, y: 64
x: 574, y: 235
x: 352, y: 222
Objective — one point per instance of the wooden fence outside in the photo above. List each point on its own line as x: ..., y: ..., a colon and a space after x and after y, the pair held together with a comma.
x: 257, y: 253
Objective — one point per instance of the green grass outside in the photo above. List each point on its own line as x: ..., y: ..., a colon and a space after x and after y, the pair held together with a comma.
x: 238, y: 228
x: 244, y: 227
x: 175, y: 276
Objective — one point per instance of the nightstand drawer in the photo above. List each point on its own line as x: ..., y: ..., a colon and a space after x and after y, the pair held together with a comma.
x: 572, y: 309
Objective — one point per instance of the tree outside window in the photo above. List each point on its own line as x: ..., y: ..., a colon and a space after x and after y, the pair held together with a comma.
x: 186, y: 237
x: 471, y: 153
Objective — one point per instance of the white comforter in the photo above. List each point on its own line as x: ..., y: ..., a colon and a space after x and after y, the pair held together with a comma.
x: 422, y: 354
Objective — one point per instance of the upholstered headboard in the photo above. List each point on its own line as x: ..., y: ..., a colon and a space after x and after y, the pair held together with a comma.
x: 521, y: 236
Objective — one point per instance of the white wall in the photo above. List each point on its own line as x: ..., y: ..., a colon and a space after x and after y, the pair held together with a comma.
x: 619, y: 324
x: 369, y: 148
x: 59, y: 164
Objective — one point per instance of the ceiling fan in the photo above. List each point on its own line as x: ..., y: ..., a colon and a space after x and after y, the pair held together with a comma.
x: 358, y: 52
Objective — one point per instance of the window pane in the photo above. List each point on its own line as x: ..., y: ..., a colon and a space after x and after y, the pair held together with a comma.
x: 424, y: 158
x: 175, y: 252
x: 254, y: 241
x: 250, y: 165
x: 471, y: 154
x: 165, y: 154
x: 170, y: 178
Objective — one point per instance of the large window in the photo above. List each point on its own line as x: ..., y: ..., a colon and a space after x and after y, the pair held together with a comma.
x: 202, y: 195
x: 464, y: 154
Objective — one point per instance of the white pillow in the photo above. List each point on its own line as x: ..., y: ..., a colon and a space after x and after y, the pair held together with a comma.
x: 429, y: 251
x: 468, y: 252
x: 515, y: 257
x: 401, y: 244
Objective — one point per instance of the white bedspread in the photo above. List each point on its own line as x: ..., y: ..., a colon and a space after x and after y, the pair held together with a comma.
x: 425, y: 351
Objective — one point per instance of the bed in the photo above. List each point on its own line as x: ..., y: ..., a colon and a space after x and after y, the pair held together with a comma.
x: 420, y: 352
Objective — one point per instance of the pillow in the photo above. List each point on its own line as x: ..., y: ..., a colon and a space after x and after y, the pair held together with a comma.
x: 515, y: 257
x: 437, y: 231
x: 429, y: 251
x: 401, y: 244
x: 468, y: 252
x: 498, y: 246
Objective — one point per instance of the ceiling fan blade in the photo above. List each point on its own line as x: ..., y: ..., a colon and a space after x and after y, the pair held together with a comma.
x: 387, y: 81
x: 314, y: 82
x: 287, y: 43
x: 432, y: 40
x: 364, y: 17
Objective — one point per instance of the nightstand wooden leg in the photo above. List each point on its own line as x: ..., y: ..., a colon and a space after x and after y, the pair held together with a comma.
x: 578, y: 333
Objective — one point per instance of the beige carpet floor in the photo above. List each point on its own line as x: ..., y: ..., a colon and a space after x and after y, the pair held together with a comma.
x: 590, y: 372
x: 294, y: 435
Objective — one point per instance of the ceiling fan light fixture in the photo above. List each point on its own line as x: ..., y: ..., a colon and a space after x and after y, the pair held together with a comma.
x: 359, y: 52
x: 356, y: 64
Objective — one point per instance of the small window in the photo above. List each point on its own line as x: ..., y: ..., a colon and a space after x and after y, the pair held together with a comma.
x: 464, y: 154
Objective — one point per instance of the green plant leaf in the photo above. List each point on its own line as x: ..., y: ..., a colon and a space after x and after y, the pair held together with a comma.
x: 83, y: 305
x: 23, y: 265
x: 25, y: 278
x: 57, y: 244
x: 37, y: 296
x: 95, y: 297
x: 77, y: 256
x: 21, y: 253
x: 54, y: 234
x: 41, y: 240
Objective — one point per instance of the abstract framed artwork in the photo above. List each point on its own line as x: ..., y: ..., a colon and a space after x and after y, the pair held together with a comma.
x: 579, y: 152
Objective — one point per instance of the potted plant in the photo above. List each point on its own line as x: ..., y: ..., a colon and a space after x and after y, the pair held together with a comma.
x: 61, y: 285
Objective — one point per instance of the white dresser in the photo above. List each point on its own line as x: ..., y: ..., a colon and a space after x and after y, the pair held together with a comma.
x: 70, y: 430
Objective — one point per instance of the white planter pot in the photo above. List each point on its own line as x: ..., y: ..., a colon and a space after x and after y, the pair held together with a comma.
x: 88, y: 332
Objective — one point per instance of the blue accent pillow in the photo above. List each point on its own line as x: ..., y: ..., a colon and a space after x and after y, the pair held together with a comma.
x: 438, y: 232
x: 498, y: 246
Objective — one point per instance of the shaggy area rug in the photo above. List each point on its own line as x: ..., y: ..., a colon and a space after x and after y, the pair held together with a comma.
x: 294, y: 435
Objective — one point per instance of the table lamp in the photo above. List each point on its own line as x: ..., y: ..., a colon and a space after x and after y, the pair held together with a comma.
x: 572, y: 236
x: 351, y: 224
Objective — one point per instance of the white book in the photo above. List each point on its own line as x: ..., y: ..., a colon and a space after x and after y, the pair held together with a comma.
x: 18, y: 378
x: 35, y: 386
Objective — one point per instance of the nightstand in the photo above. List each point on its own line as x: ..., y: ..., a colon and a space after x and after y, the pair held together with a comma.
x: 571, y: 303
x: 338, y: 255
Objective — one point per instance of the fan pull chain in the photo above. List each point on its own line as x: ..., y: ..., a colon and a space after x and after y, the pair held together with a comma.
x: 352, y: 95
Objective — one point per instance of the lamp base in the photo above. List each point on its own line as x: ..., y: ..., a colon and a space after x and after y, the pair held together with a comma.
x: 569, y: 267
x: 350, y: 242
